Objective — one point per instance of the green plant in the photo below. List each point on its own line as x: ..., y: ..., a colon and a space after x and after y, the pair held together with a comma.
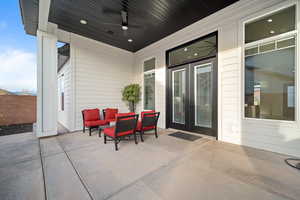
x: 131, y: 94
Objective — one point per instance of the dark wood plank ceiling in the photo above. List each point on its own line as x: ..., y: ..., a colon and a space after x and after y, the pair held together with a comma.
x: 30, y: 15
x: 152, y: 20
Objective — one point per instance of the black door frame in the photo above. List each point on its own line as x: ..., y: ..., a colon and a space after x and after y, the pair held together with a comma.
x: 209, y: 131
x: 169, y: 68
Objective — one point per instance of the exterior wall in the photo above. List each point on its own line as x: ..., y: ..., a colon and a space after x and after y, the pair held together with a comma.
x: 278, y: 136
x: 100, y: 73
x: 65, y: 116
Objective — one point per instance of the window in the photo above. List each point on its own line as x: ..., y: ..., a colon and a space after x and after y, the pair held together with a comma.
x: 270, y: 63
x: 149, y: 84
x: 195, y: 50
x: 61, y: 92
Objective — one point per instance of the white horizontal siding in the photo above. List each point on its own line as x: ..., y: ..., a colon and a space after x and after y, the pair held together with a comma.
x: 101, y: 72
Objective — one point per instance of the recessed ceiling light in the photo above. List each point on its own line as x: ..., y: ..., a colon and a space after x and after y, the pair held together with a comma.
x: 185, y: 49
x: 82, y: 21
x: 272, y: 32
x: 195, y: 54
x: 270, y: 20
x: 130, y: 40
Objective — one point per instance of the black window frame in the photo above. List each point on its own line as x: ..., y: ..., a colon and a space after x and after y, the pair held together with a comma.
x: 215, y: 33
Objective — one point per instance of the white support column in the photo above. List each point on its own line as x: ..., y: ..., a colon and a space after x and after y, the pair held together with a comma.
x: 46, y: 124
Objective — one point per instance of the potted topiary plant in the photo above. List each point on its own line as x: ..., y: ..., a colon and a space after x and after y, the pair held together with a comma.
x: 131, y: 94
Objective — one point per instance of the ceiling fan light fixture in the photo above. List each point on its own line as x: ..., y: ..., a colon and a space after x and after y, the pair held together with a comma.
x: 124, y: 27
x: 82, y: 21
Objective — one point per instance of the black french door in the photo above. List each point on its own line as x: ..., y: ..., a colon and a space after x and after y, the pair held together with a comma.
x: 179, y: 97
x: 192, y: 97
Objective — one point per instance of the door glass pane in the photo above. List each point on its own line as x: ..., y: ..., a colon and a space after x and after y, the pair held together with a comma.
x: 203, y: 95
x: 178, y: 98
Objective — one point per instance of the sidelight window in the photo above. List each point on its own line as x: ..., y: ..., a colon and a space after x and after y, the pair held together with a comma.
x: 149, y: 84
x: 61, y: 92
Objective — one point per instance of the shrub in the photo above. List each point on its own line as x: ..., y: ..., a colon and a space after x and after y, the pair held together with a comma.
x: 131, y: 94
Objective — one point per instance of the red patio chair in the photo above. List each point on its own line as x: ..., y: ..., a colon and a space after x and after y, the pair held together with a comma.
x: 148, y: 123
x: 91, y: 119
x: 125, y: 126
x: 109, y: 114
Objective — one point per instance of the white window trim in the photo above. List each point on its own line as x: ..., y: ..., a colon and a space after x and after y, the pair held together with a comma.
x: 270, y: 40
x: 150, y: 71
x: 143, y: 81
x: 241, y: 39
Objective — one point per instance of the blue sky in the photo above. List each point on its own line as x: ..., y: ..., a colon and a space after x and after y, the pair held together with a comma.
x: 17, y: 50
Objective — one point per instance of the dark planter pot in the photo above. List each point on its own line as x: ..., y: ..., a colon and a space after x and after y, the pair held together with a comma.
x: 131, y: 106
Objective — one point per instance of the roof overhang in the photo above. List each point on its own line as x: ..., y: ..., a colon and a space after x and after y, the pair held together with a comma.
x: 148, y: 20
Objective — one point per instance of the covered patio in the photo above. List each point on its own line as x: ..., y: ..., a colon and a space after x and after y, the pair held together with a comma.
x: 226, y: 71
x: 76, y: 166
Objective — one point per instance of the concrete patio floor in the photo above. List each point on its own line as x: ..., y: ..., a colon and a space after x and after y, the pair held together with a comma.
x: 76, y: 166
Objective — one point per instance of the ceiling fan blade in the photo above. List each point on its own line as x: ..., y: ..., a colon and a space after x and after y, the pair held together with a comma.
x: 110, y: 11
x: 135, y: 26
x: 110, y: 24
x: 124, y: 15
x: 125, y: 33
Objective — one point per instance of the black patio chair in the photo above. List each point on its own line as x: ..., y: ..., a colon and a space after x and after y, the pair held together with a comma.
x: 125, y: 126
x: 148, y: 123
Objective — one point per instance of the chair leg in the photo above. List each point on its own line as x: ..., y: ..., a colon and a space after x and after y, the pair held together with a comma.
x: 156, y: 133
x: 90, y: 131
x: 99, y: 134
x: 135, y: 138
x: 141, y: 134
x: 104, y: 139
x: 116, y: 144
x: 83, y: 129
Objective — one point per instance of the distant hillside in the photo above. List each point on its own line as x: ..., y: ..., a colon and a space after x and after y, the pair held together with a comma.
x: 30, y: 93
x: 5, y: 92
x: 19, y: 93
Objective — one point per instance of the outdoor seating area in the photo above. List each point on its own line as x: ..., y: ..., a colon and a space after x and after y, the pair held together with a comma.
x: 118, y: 126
